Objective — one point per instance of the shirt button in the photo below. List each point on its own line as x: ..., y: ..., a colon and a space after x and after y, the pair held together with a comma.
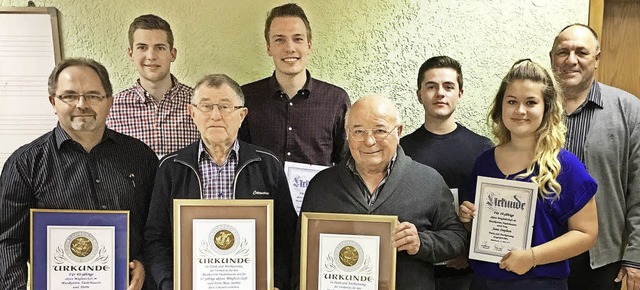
x: 98, y: 180
x: 104, y: 206
x: 288, y: 153
x: 290, y: 128
x: 290, y: 104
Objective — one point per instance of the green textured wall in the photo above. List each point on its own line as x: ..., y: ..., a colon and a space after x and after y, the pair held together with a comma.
x: 365, y: 46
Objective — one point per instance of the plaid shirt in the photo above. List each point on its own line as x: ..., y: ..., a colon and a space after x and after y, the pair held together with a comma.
x: 217, y: 181
x: 308, y: 128
x: 165, y: 126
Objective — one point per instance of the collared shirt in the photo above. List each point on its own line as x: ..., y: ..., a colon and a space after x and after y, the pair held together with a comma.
x: 165, y: 126
x: 368, y: 195
x: 217, y: 180
x: 578, y: 122
x: 56, y: 172
x: 308, y: 128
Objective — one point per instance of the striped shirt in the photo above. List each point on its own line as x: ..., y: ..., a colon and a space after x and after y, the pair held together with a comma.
x: 55, y: 172
x: 218, y: 180
x: 370, y: 196
x: 165, y: 126
x: 579, y: 121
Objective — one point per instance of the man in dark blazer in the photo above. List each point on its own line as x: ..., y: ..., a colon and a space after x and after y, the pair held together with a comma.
x: 378, y: 178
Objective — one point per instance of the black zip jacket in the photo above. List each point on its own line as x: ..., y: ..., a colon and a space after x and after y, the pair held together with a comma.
x: 259, y: 175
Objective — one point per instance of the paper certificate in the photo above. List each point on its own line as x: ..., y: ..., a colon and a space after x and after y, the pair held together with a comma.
x: 80, y: 257
x: 456, y: 199
x: 298, y: 176
x: 348, y: 262
x: 504, y: 219
x: 224, y: 254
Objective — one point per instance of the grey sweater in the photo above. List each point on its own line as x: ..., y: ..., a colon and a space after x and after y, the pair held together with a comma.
x: 612, y: 157
x: 415, y: 193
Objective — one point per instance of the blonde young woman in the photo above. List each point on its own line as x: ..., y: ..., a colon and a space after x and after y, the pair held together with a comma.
x: 527, y: 120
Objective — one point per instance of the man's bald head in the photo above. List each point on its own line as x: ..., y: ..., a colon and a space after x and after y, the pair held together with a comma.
x: 579, y: 26
x: 376, y: 105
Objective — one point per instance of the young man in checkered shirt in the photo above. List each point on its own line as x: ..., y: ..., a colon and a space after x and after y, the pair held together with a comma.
x: 154, y: 110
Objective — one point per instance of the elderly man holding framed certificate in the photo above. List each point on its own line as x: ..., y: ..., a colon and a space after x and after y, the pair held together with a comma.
x: 379, y: 179
x: 218, y: 167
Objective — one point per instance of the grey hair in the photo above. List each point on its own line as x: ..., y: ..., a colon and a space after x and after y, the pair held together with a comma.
x: 217, y: 80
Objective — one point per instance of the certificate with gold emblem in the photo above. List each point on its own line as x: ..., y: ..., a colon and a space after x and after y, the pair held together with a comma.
x: 349, y: 262
x: 225, y: 248
x: 504, y: 218
x: 223, y: 244
x: 347, y: 251
x: 74, y: 249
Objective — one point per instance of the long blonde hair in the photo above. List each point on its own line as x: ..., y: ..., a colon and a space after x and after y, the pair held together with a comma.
x: 550, y: 136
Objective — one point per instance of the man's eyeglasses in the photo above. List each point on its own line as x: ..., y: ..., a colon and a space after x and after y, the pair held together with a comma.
x: 73, y: 99
x: 222, y: 108
x: 379, y: 134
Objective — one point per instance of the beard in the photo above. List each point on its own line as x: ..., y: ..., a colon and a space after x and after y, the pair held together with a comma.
x: 84, y: 124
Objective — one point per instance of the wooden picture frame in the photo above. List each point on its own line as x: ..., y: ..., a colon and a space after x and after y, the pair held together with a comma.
x: 187, y: 212
x: 313, y: 225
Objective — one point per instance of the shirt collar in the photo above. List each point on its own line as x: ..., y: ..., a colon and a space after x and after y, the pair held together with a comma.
x: 351, y: 164
x: 61, y: 136
x: 146, y: 97
x: 203, y: 154
x: 275, y: 90
x: 595, y: 96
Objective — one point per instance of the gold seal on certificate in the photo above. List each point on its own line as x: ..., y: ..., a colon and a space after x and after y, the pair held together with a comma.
x: 83, y: 257
x: 81, y: 246
x: 504, y: 219
x: 224, y: 255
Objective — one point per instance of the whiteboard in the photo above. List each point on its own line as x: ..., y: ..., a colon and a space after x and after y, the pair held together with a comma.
x: 29, y: 50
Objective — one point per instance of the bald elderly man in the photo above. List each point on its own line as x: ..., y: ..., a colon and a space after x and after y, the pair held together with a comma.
x: 379, y: 179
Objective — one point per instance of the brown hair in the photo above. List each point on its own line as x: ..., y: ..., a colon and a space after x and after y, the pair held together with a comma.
x: 86, y: 62
x: 286, y: 10
x: 150, y: 22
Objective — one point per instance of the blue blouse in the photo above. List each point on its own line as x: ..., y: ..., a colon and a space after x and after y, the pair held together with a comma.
x: 551, y: 218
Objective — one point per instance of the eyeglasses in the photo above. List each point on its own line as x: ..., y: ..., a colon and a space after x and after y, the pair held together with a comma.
x: 222, y: 108
x: 360, y: 135
x: 73, y: 99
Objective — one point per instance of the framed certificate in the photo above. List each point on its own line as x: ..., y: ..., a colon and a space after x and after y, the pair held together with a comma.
x: 347, y: 251
x: 504, y: 219
x: 298, y: 177
x: 79, y: 249
x: 223, y: 244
